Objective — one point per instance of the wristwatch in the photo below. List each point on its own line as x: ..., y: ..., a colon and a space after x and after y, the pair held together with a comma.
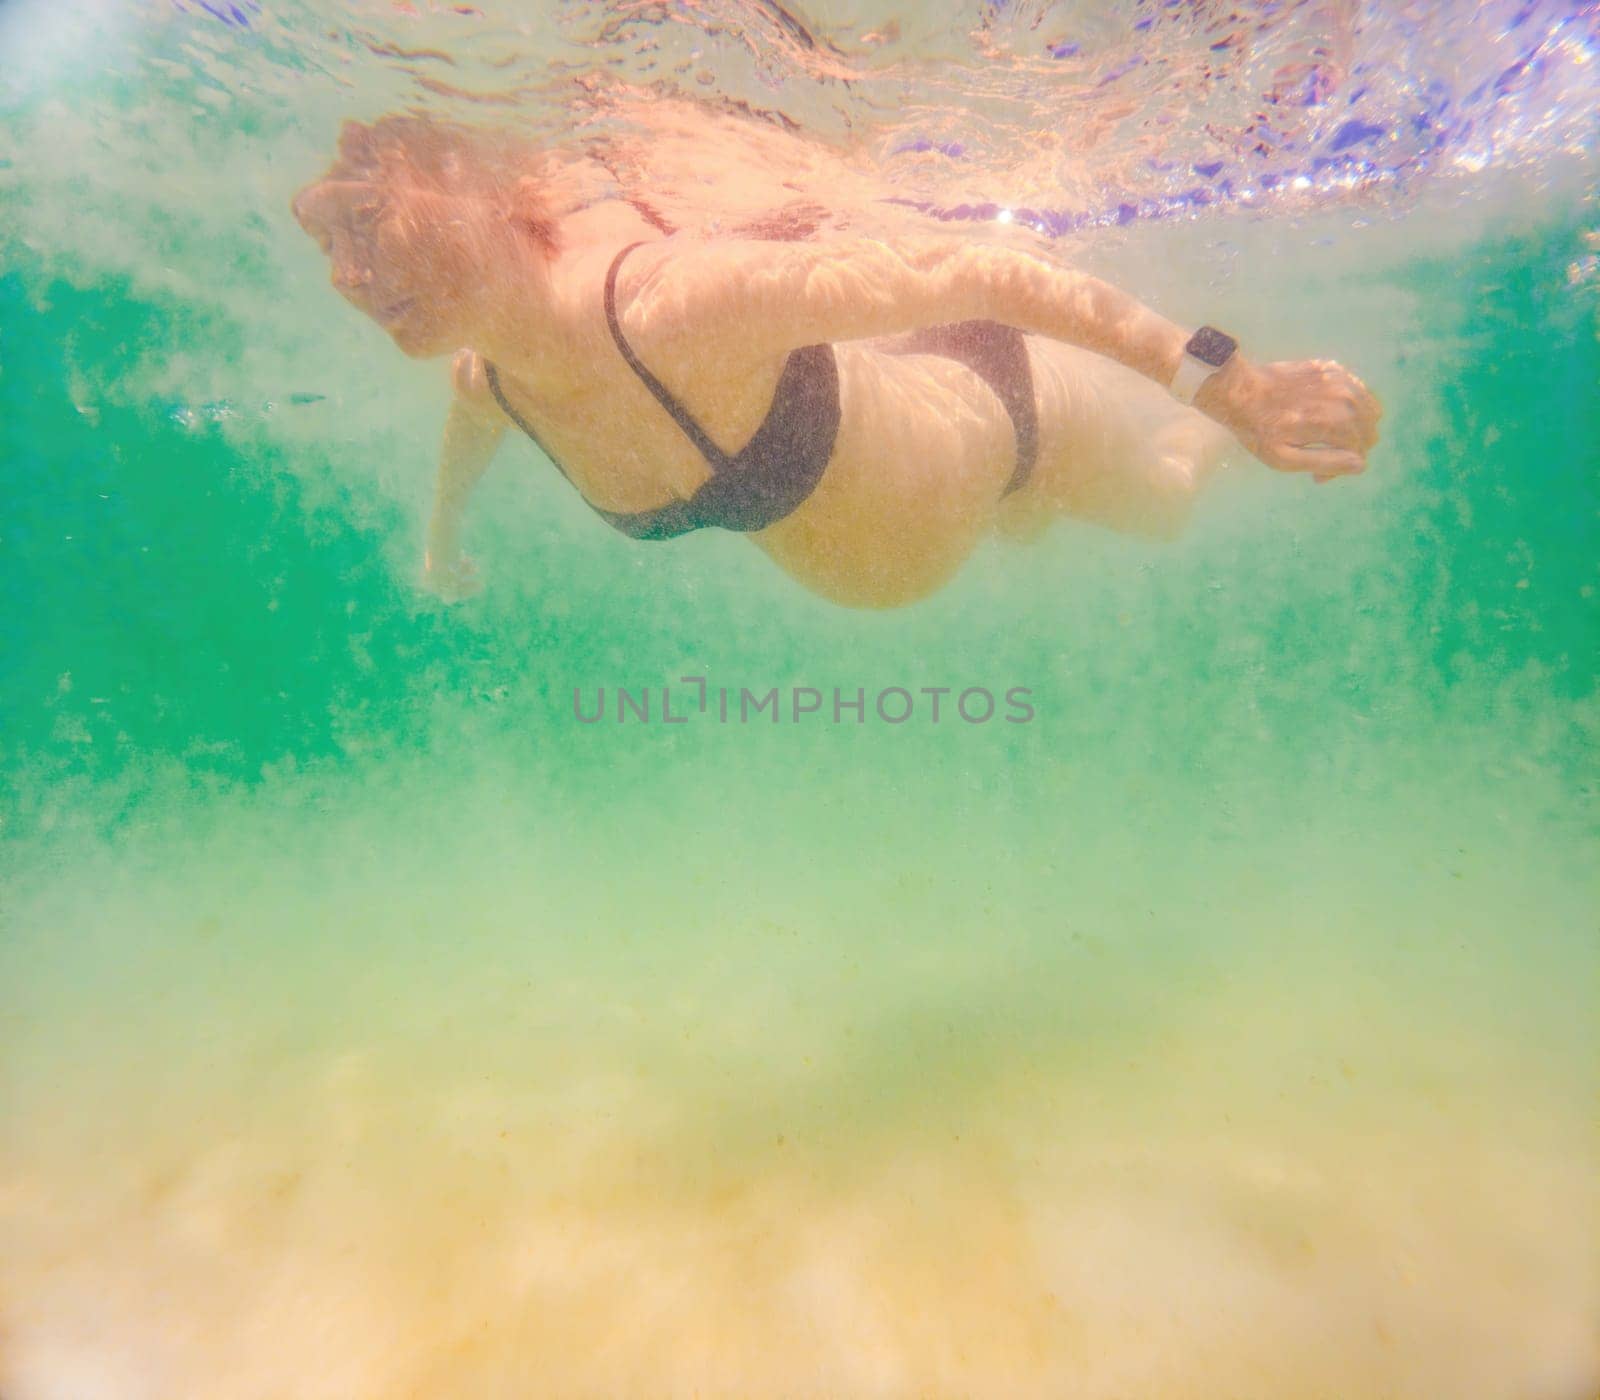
x: 1207, y: 351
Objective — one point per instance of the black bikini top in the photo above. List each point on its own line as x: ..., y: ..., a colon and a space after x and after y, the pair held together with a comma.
x: 757, y: 486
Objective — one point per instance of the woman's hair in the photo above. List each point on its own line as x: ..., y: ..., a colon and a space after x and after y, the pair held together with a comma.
x: 691, y: 166
x: 488, y: 166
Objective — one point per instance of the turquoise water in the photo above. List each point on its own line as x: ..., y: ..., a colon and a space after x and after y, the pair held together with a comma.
x: 368, y: 1026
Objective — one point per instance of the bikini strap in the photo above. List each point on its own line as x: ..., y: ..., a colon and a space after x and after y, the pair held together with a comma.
x: 663, y: 523
x: 493, y: 376
x: 715, y: 457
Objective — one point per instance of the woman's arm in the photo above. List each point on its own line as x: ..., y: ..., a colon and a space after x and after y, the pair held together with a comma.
x: 472, y: 433
x: 778, y: 296
x: 767, y: 299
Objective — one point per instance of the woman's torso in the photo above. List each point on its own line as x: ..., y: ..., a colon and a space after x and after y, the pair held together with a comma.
x: 922, y: 453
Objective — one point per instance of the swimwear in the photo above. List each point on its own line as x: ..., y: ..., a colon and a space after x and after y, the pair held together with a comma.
x: 773, y: 474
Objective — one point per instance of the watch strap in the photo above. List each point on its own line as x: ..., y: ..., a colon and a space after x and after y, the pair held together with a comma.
x: 1192, y: 373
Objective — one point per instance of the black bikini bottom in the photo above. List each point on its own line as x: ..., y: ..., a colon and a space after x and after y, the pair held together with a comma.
x: 998, y: 355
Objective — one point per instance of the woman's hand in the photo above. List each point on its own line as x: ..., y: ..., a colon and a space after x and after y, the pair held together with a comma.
x: 453, y: 579
x: 1296, y: 415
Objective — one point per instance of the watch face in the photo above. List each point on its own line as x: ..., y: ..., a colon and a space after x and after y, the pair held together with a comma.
x: 1211, y: 346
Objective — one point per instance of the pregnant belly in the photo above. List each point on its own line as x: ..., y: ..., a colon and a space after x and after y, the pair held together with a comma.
x: 924, y: 451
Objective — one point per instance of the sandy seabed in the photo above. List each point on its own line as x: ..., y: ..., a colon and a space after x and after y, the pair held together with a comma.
x: 723, y: 1183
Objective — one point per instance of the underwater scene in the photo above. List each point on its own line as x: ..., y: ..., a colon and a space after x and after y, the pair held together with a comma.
x: 664, y: 731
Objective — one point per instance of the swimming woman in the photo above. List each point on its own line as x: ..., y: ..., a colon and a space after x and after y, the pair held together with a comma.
x: 866, y: 409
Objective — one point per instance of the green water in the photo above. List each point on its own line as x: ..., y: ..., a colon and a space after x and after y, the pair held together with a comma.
x: 369, y: 1026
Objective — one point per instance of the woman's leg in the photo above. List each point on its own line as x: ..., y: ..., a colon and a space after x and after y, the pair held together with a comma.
x: 1114, y: 449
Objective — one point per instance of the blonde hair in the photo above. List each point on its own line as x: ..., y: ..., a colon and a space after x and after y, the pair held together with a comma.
x: 486, y: 166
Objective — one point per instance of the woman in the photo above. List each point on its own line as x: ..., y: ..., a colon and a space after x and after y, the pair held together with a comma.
x: 866, y: 409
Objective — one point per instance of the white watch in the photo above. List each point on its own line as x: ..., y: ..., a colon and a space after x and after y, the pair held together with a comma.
x: 1208, y: 351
